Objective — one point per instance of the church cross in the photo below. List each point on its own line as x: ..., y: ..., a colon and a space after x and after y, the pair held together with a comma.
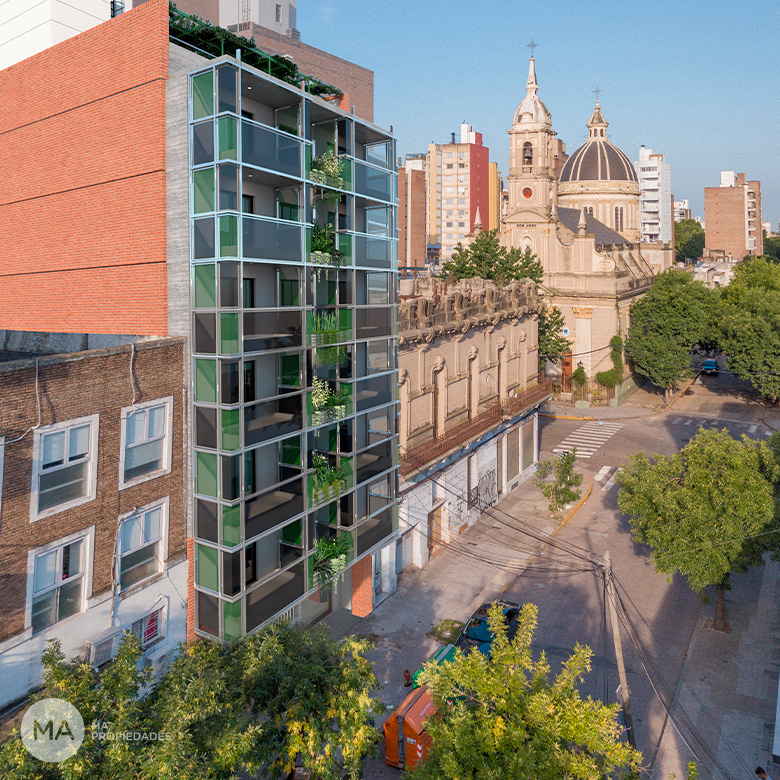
x: 597, y: 92
x: 532, y: 46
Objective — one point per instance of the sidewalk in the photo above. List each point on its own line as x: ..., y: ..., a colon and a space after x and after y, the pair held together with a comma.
x: 729, y: 685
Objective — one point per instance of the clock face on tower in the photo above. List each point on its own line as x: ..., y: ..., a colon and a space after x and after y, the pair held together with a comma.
x: 527, y: 192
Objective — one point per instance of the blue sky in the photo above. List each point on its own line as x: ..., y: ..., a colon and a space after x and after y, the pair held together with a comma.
x: 698, y: 81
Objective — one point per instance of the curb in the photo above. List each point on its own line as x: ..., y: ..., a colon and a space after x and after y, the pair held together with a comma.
x: 576, y: 508
x: 564, y: 416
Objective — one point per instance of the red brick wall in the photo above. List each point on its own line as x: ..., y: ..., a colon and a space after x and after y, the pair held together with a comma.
x: 363, y: 587
x: 97, y: 383
x: 89, y: 190
x: 724, y: 215
x: 411, y: 218
x: 479, y: 181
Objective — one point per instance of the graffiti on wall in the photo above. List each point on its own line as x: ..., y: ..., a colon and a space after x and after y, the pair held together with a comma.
x: 487, y: 490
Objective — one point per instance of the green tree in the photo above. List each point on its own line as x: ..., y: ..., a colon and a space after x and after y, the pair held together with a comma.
x: 485, y: 258
x: 258, y: 705
x: 688, y: 240
x: 502, y: 717
x: 772, y: 248
x: 706, y: 511
x: 553, y: 345
x: 614, y: 376
x: 561, y: 490
x: 674, y: 315
x: 749, y: 326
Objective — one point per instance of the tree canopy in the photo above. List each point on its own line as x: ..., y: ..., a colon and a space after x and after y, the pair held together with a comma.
x: 749, y: 325
x: 772, y: 248
x: 688, y: 240
x: 706, y: 511
x: 553, y: 345
x: 502, y: 717
x: 486, y: 258
x: 674, y: 315
x: 259, y: 705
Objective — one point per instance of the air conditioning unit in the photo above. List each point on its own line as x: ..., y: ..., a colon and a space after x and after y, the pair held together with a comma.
x: 99, y: 651
x: 159, y: 659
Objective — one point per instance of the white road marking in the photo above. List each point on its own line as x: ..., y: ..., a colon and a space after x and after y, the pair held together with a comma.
x: 602, y: 473
x: 610, y: 483
x: 588, y: 438
x: 752, y: 429
x: 676, y: 420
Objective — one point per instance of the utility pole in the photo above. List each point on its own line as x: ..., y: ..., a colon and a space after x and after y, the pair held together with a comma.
x: 618, y: 649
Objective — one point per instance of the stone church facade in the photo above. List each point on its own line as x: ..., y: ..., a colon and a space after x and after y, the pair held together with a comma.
x: 580, y: 216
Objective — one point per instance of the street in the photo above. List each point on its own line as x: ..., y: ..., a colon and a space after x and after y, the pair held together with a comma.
x: 515, y: 552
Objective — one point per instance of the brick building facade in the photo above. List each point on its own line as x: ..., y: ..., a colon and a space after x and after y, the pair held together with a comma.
x: 92, y: 454
x: 732, y: 214
x: 412, y: 239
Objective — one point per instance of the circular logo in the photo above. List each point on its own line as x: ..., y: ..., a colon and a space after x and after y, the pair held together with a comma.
x: 52, y: 730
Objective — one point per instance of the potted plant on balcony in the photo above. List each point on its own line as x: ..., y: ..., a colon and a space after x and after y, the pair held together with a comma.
x: 323, y: 247
x: 327, y: 404
x: 326, y: 169
x: 330, y: 560
x: 328, y: 481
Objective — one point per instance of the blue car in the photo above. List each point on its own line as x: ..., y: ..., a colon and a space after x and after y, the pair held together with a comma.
x: 710, y: 366
x: 476, y: 633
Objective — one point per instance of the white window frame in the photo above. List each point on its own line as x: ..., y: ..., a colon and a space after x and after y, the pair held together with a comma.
x: 92, y: 458
x: 167, y: 441
x: 163, y: 505
x: 88, y: 536
x: 138, y: 628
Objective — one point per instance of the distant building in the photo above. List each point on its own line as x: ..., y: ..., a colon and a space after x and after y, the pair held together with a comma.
x: 682, y: 210
x: 412, y: 244
x: 733, y: 214
x: 495, y: 189
x: 458, y: 184
x: 655, y: 197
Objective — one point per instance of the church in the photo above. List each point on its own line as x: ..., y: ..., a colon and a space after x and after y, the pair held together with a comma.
x: 580, y: 216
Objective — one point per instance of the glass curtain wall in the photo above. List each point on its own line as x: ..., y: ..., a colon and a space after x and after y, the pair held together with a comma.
x: 293, y: 297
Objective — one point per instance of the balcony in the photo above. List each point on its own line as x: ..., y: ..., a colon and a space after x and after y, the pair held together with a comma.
x: 326, y: 328
x: 272, y: 239
x: 274, y: 151
x: 425, y: 454
x: 373, y: 183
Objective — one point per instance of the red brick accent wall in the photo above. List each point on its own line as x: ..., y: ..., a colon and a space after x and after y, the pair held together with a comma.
x: 479, y: 185
x: 83, y: 245
x: 70, y: 387
x: 411, y: 218
x: 363, y: 587
x: 191, y: 635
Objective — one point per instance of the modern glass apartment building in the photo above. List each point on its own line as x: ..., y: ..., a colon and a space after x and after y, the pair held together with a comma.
x: 293, y: 295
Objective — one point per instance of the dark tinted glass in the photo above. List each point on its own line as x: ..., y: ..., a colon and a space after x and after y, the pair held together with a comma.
x: 203, y: 238
x: 228, y: 187
x: 205, y: 333
x: 229, y: 388
x: 228, y: 284
x: 226, y: 88
x: 208, y: 614
x: 206, y: 520
x: 206, y: 427
x: 203, y: 143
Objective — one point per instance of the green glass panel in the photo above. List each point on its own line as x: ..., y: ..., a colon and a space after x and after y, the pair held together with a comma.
x: 205, y: 286
x: 307, y: 159
x: 203, y: 95
x: 206, y: 381
x: 228, y: 236
x: 346, y: 173
x: 231, y: 620
x: 345, y: 319
x: 292, y: 533
x: 206, y: 474
x: 208, y: 567
x: 289, y: 370
x: 345, y: 246
x: 231, y: 525
x: 289, y: 292
x: 228, y: 333
x: 227, y: 136
x: 290, y: 451
x: 203, y: 190
x: 307, y: 235
x: 288, y: 211
x: 231, y: 429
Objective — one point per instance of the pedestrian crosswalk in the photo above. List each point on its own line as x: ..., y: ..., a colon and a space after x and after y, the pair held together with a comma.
x: 588, y: 438
x: 693, y: 424
x: 607, y: 475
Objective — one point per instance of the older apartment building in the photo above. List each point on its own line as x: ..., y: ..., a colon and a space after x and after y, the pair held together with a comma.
x: 733, y: 215
x: 202, y: 219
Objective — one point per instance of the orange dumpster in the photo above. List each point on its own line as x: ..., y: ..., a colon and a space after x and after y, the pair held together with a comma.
x: 406, y: 740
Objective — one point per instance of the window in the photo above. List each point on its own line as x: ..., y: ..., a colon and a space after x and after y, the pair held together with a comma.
x: 58, y: 583
x: 140, y: 545
x: 278, y: 13
x: 146, y: 441
x: 449, y: 224
x: 528, y: 153
x: 149, y: 628
x: 618, y: 218
x: 64, y: 475
x: 449, y: 165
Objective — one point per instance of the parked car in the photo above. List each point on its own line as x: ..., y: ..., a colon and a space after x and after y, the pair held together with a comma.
x: 476, y: 633
x: 710, y: 366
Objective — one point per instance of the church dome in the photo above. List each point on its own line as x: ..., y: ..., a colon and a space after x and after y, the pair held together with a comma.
x: 598, y: 159
x: 532, y: 108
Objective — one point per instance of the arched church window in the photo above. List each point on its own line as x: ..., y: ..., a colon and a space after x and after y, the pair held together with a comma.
x: 618, y: 218
x: 589, y: 210
x: 528, y: 153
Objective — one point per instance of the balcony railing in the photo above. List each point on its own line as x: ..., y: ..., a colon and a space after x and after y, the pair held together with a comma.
x: 462, y: 434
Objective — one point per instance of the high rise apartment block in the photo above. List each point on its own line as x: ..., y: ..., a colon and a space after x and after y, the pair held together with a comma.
x: 655, y: 198
x: 176, y: 194
x: 682, y: 210
x: 733, y: 215
x: 458, y: 186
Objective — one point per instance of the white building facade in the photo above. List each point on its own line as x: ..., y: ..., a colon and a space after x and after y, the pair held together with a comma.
x: 655, y: 200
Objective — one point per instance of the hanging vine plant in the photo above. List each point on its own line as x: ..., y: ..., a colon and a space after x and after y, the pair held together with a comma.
x: 330, y: 560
